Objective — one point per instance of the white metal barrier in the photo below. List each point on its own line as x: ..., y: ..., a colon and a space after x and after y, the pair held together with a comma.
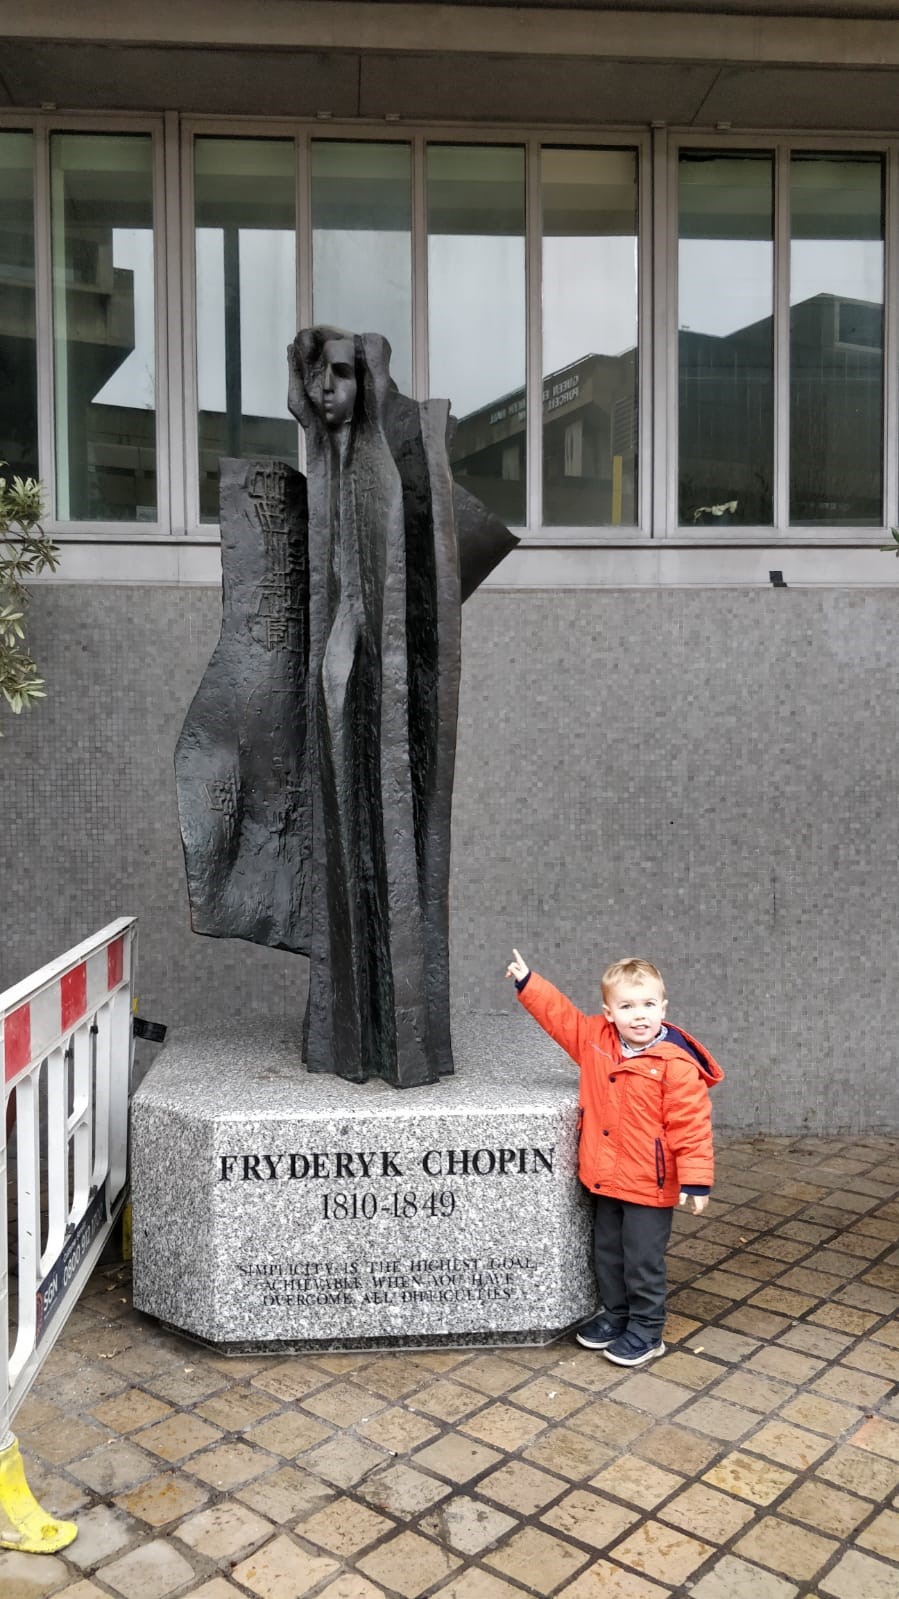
x: 65, y: 1062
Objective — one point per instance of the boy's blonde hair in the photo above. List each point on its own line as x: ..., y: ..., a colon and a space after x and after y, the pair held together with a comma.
x: 631, y: 970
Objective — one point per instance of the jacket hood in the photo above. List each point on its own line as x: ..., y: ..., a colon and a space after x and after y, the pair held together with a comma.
x: 678, y: 1036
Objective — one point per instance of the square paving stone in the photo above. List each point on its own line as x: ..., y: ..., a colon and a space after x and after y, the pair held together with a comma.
x: 521, y: 1487
x: 290, y: 1379
x: 289, y: 1434
x: 859, y: 1576
x: 466, y: 1525
x: 708, y: 1514
x: 102, y: 1531
x: 149, y: 1572
x: 230, y: 1465
x: 792, y: 1446
x: 119, y: 1465
x: 881, y: 1437
x: 821, y: 1415
x: 718, y: 1419
x: 164, y: 1498
x: 751, y: 1478
x: 401, y: 1491
x: 637, y: 1481
x: 602, y: 1580
x: 537, y: 1559
x: 755, y: 1392
x: 662, y: 1552
x: 731, y: 1347
x: 590, y: 1518
x: 861, y: 1472
x: 491, y: 1374
x: 351, y: 1586
x: 671, y: 1446
x: 225, y: 1531
x: 399, y: 1430
x: 409, y: 1563
x: 343, y: 1404
x: 793, y: 1551
x: 344, y: 1527
x: 215, y: 1588
x: 447, y: 1400
x: 282, y: 1570
x: 882, y: 1536
x: 737, y: 1579
x: 554, y: 1400
x: 576, y: 1455
x: 611, y: 1422
x: 827, y: 1509
x: 688, y: 1370
x: 60, y: 1444
x: 458, y: 1458
x: 788, y: 1364
x: 30, y: 1576
x: 236, y: 1409
x: 474, y: 1584
x: 503, y: 1426
x: 179, y: 1437
x: 343, y: 1460
x: 285, y: 1495
x: 131, y: 1409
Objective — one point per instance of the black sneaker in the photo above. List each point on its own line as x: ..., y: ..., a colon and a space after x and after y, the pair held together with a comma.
x: 598, y: 1333
x: 629, y: 1349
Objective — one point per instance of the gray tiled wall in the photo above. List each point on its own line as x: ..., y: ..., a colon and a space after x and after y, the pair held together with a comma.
x: 703, y: 776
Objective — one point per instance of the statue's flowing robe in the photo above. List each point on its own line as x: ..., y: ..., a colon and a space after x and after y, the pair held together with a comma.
x: 315, y: 766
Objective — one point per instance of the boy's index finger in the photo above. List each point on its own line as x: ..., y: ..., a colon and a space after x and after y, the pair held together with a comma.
x: 516, y: 953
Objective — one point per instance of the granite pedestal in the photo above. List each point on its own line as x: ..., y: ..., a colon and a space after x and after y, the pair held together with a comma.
x: 278, y: 1209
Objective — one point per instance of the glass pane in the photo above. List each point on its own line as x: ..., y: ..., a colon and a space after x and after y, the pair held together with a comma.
x: 589, y: 337
x: 18, y: 363
x: 476, y: 315
x: 104, y: 326
x: 246, y: 302
x: 726, y: 340
x: 362, y: 244
x: 836, y: 340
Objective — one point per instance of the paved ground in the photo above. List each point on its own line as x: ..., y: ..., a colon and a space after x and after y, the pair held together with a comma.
x: 758, y: 1460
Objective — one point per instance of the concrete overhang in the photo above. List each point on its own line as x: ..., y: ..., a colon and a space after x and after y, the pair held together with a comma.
x: 824, y: 66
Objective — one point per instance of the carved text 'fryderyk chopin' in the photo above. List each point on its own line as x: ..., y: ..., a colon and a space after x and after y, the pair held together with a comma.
x: 349, y: 1165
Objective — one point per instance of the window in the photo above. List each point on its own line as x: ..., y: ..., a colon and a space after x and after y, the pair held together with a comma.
x: 726, y: 339
x: 589, y: 327
x: 476, y: 315
x: 836, y: 340
x: 362, y: 244
x: 104, y: 326
x: 245, y: 204
x: 18, y: 359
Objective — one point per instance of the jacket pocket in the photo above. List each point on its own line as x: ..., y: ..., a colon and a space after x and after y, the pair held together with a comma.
x: 660, y: 1164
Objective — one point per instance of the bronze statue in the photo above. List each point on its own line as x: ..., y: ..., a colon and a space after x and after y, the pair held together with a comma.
x: 315, y: 766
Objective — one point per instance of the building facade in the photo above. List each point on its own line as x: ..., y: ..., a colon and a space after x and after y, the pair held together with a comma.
x: 651, y: 255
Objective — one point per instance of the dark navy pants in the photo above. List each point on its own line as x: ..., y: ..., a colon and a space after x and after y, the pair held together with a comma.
x: 629, y: 1243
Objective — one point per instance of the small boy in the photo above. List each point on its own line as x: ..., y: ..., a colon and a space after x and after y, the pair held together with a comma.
x: 645, y: 1139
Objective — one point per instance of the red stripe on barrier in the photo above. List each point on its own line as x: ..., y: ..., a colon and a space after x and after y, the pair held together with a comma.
x: 115, y: 962
x: 17, y: 1041
x: 73, y: 996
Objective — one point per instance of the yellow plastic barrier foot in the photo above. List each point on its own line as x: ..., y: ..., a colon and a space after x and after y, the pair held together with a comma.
x: 24, y: 1524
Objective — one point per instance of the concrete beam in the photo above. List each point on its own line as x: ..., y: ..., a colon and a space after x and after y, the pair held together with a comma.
x: 464, y: 29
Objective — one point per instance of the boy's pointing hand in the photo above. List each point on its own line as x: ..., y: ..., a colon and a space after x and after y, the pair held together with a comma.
x: 697, y: 1202
x: 517, y: 967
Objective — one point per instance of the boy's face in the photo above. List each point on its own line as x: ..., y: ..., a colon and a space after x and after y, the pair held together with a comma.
x: 637, y: 1010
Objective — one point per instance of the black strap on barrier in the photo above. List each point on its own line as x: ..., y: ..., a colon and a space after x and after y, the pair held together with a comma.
x: 154, y: 1032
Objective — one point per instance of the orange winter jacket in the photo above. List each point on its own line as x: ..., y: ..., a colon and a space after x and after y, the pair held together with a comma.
x: 646, y: 1124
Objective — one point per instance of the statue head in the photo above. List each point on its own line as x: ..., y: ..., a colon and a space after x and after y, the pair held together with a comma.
x: 337, y: 378
x: 339, y: 385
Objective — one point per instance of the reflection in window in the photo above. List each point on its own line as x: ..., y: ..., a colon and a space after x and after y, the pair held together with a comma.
x: 104, y: 326
x: 836, y: 339
x: 246, y: 302
x: 476, y: 315
x: 589, y: 337
x: 18, y: 363
x: 362, y: 244
x: 725, y: 340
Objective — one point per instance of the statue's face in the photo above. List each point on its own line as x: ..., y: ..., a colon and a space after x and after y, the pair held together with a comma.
x: 338, y: 381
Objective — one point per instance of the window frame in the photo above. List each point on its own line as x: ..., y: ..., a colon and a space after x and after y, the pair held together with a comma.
x: 658, y: 150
